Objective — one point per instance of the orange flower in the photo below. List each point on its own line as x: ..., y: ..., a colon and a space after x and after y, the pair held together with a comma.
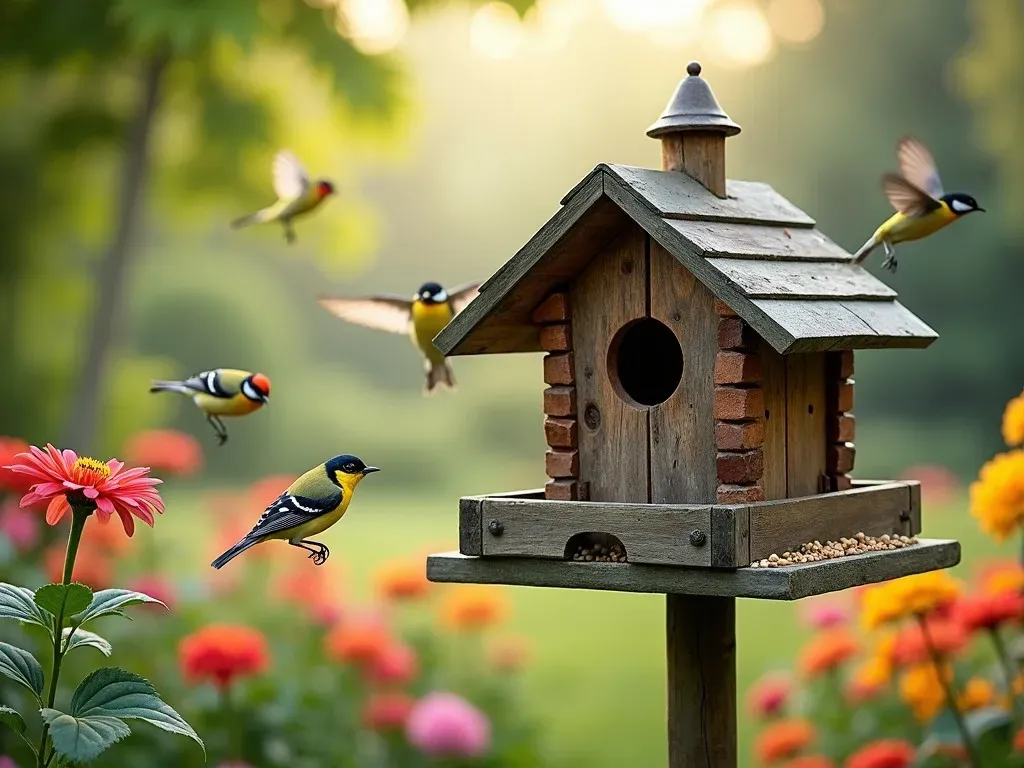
x: 396, y: 664
x: 885, y: 753
x: 767, y: 697
x: 360, y: 640
x: 828, y: 651
x: 908, y: 596
x: 869, y: 679
x: 911, y: 646
x: 469, y: 607
x: 92, y: 568
x: 10, y: 480
x: 810, y: 761
x: 1002, y: 577
x: 921, y: 689
x: 387, y: 710
x: 997, y: 496
x: 989, y: 612
x: 975, y: 694
x: 167, y: 450
x: 263, y: 492
x: 405, y: 580
x: 104, y: 538
x: 509, y: 654
x: 222, y: 653
x: 782, y: 740
x: 1018, y: 741
x: 1013, y: 421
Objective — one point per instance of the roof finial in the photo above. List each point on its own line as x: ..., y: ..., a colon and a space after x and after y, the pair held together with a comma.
x: 693, y: 68
x: 693, y: 107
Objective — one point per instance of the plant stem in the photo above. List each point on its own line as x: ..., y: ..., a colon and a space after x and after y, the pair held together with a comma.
x: 1004, y: 659
x: 79, y: 514
x: 949, y: 689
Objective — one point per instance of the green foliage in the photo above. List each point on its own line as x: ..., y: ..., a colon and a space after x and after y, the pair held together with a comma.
x: 19, y: 603
x: 12, y: 719
x: 187, y: 24
x: 21, y: 667
x: 109, y: 602
x: 62, y: 600
x: 83, y: 739
x: 82, y: 638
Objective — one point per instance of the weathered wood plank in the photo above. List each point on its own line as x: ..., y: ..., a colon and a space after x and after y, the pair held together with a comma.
x: 650, y: 533
x: 677, y: 196
x: 789, y: 583
x: 730, y: 536
x: 805, y: 424
x: 773, y: 389
x: 750, y: 241
x: 682, y: 429
x: 470, y: 530
x: 611, y: 292
x: 699, y: 154
x: 780, y: 526
x: 802, y: 280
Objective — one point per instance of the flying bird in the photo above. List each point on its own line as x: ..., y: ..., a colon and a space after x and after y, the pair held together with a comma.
x: 422, y: 317
x: 296, y: 195
x: 221, y: 392
x: 922, y: 207
x: 310, y: 505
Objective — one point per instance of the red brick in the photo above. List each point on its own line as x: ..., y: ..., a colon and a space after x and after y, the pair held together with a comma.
x: 562, y: 490
x: 742, y: 467
x: 841, y: 428
x: 740, y: 494
x: 839, y: 458
x: 560, y: 433
x: 844, y: 396
x: 555, y: 338
x: 733, y: 333
x: 559, y: 368
x: 554, y: 309
x: 735, y: 404
x: 739, y: 436
x: 841, y: 483
x: 560, y: 463
x: 737, y: 368
x: 560, y: 401
x: 723, y: 310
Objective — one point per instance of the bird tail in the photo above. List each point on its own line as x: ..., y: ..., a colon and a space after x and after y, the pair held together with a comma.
x: 259, y: 217
x: 438, y: 373
x: 234, y: 552
x: 863, y: 252
x: 170, y: 386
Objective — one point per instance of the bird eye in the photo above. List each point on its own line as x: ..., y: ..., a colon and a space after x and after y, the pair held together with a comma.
x: 349, y: 467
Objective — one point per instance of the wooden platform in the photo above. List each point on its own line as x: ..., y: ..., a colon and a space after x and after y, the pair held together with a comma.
x: 788, y: 583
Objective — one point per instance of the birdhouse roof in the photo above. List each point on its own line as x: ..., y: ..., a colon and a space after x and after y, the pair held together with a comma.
x: 754, y: 250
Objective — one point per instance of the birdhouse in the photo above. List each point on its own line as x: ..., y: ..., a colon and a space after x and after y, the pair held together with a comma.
x: 699, y: 339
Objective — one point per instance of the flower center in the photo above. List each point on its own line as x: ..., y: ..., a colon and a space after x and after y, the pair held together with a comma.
x: 87, y: 471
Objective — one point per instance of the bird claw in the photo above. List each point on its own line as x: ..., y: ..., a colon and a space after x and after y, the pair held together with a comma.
x: 222, y: 437
x: 319, y: 557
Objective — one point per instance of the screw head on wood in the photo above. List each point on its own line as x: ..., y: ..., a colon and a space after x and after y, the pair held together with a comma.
x: 698, y: 538
x: 591, y: 416
x: 495, y: 528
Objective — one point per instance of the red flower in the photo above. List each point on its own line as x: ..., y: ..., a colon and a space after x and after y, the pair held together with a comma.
x: 387, y: 710
x: 359, y: 640
x: 111, y: 488
x: 828, y: 651
x: 811, y: 761
x: 767, y: 697
x: 989, y: 611
x: 10, y: 447
x: 947, y: 637
x: 887, y: 753
x: 1018, y: 741
x: 223, y: 652
x: 167, y: 450
x: 396, y: 664
x: 783, y: 740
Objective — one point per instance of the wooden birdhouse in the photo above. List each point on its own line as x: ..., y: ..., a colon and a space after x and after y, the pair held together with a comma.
x: 698, y: 337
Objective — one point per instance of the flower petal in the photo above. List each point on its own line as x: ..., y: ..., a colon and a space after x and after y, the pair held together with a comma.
x: 127, y: 521
x: 57, y: 509
x: 90, y: 493
x: 104, y: 505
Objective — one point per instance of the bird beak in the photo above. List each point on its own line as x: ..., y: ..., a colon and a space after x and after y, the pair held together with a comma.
x: 368, y: 470
x: 979, y: 208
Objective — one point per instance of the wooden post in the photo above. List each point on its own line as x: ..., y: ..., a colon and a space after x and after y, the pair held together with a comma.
x: 701, y: 631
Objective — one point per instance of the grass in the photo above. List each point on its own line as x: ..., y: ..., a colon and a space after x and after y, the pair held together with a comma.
x: 597, y: 674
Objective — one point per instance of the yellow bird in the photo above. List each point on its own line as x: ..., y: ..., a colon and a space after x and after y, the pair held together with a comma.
x: 296, y: 195
x: 423, y: 317
x: 221, y: 392
x: 922, y: 208
x: 310, y: 505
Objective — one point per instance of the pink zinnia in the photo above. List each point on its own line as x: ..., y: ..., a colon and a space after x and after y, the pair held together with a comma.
x: 395, y: 665
x: 112, y: 488
x: 20, y: 526
x: 155, y: 586
x: 826, y: 615
x: 444, y: 724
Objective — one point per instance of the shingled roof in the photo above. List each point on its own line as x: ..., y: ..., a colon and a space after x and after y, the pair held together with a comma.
x: 754, y: 250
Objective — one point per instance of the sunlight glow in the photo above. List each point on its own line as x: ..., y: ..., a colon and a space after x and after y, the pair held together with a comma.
x: 373, y: 26
x: 740, y: 33
x: 550, y: 22
x: 652, y: 15
x: 796, y: 21
x: 496, y: 30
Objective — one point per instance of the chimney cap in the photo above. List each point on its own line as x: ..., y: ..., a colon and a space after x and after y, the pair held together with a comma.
x: 693, y: 107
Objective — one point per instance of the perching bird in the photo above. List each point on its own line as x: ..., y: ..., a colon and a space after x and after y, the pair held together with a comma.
x: 296, y: 195
x: 922, y: 207
x: 423, y: 317
x: 221, y: 392
x: 310, y: 505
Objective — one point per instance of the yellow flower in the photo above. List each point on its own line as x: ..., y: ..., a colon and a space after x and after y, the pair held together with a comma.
x: 1013, y: 421
x: 977, y: 693
x: 997, y: 496
x: 922, y: 690
x: 897, y: 599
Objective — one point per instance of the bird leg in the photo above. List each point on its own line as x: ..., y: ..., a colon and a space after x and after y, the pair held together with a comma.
x: 218, y: 428
x: 889, y: 262
x: 289, y: 232
x: 319, y: 555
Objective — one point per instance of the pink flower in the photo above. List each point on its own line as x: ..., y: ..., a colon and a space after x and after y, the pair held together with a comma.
x: 826, y: 615
x: 10, y: 447
x: 7, y: 762
x: 444, y: 724
x: 155, y: 586
x: 20, y: 526
x: 168, y: 450
x: 395, y: 665
x: 112, y: 488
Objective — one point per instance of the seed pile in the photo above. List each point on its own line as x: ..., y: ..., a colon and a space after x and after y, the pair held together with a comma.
x: 600, y: 553
x: 815, y: 550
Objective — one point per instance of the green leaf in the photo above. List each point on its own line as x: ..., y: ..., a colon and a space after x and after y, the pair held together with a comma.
x: 109, y: 602
x: 22, y: 667
x: 64, y: 599
x: 19, y: 603
x: 116, y: 692
x: 83, y: 637
x: 13, y: 719
x: 82, y: 739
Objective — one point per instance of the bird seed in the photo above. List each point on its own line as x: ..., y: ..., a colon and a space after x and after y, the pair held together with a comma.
x: 815, y: 551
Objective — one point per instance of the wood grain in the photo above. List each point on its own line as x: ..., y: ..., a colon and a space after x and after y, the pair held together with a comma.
x: 737, y: 368
x: 555, y: 338
x: 470, y: 526
x: 682, y: 429
x: 773, y: 388
x: 651, y: 533
x: 790, y: 583
x: 611, y: 292
x: 750, y: 241
x: 802, y: 280
x: 730, y: 535
x: 554, y: 309
x: 805, y: 423
x: 839, y: 365
x: 560, y: 401
x: 699, y: 154
x: 559, y: 368
x: 561, y: 433
x: 562, y: 463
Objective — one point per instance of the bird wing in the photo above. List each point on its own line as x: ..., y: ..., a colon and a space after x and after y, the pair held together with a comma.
x: 289, y: 510
x: 906, y: 198
x: 290, y: 178
x: 461, y: 295
x: 385, y: 313
x: 918, y: 166
x: 211, y: 383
